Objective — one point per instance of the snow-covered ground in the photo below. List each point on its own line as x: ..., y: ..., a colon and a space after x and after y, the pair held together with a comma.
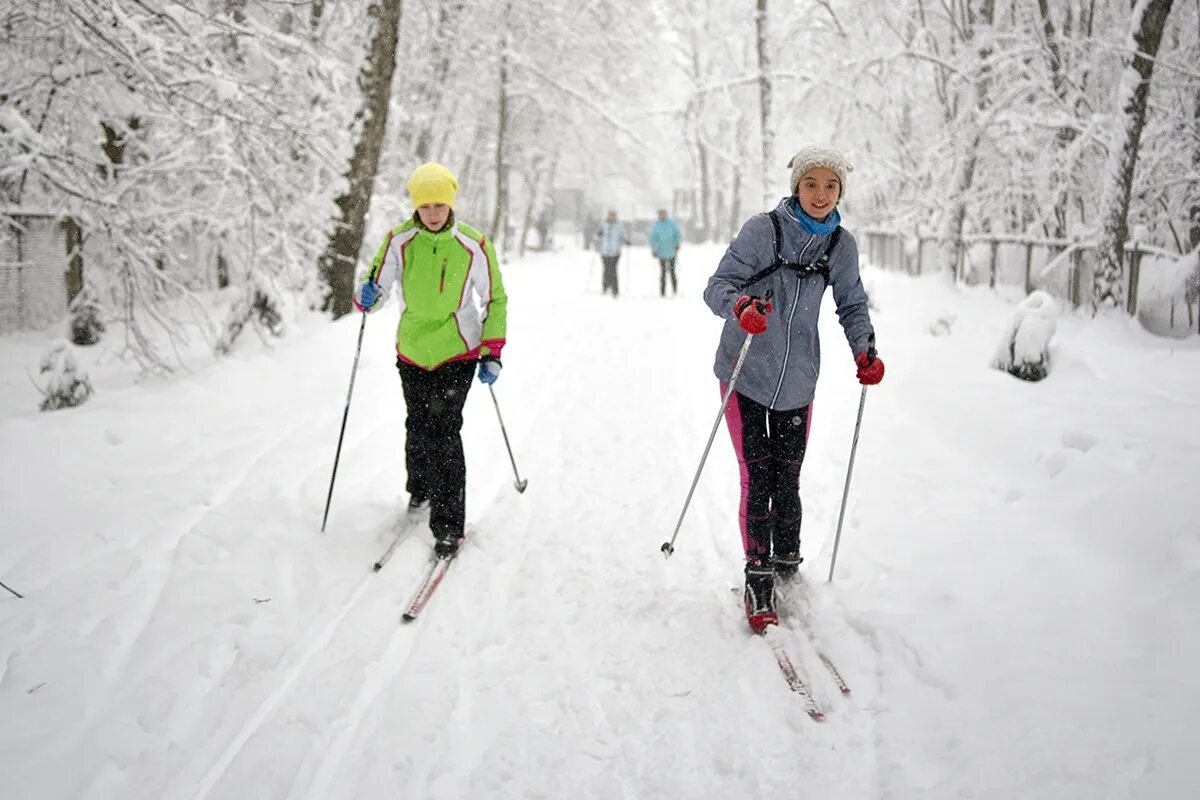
x: 1014, y: 605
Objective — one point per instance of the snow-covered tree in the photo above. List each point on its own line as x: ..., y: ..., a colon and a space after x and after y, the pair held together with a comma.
x: 160, y: 131
x: 340, y: 258
x: 1148, y: 22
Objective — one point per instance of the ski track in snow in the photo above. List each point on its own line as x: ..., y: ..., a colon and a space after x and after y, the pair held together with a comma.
x: 507, y: 585
x: 233, y: 652
x: 563, y: 655
x: 272, y: 702
x: 167, y: 544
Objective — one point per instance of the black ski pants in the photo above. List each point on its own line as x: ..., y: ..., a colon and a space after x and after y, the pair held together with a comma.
x: 770, y: 450
x: 433, y: 449
x: 610, y: 273
x: 666, y: 268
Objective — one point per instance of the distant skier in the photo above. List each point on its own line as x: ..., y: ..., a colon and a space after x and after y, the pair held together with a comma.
x: 610, y: 238
x: 784, y: 260
x: 453, y: 315
x: 665, y: 239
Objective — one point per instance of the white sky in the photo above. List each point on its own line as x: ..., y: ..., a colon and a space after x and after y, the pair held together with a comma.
x: 1014, y: 606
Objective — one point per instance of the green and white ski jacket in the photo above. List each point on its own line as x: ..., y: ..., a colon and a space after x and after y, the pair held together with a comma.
x: 452, y: 301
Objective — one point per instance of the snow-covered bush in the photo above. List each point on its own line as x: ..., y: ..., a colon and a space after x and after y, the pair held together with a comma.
x: 86, y: 326
x: 1025, y: 350
x: 66, y: 386
x: 942, y: 326
x: 260, y: 304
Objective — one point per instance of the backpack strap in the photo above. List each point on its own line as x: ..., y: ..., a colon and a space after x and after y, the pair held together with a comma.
x: 818, y: 267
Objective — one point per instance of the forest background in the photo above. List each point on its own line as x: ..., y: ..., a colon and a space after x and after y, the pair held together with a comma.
x: 182, y: 147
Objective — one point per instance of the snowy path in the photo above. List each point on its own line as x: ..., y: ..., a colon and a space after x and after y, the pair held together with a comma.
x: 565, y: 654
x: 188, y: 632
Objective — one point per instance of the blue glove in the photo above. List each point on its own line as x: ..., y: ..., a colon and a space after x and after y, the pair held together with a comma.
x: 489, y: 370
x: 368, y: 294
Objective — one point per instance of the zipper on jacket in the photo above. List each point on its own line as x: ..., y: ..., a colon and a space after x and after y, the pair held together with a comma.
x: 442, y: 280
x: 787, y: 331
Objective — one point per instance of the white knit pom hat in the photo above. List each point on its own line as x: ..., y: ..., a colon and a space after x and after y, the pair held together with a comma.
x: 820, y: 155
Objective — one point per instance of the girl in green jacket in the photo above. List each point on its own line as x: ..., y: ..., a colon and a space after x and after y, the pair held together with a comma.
x: 452, y: 321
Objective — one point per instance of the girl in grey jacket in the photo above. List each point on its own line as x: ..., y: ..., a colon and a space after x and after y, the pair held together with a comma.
x: 769, y: 286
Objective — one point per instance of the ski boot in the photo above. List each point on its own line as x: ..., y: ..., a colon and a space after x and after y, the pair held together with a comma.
x: 788, y: 564
x: 760, y: 596
x: 446, y: 543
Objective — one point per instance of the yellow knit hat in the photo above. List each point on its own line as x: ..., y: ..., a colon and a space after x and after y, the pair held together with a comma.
x: 432, y: 183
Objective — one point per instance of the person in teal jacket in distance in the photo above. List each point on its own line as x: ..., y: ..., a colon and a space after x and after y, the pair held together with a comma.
x: 665, y: 239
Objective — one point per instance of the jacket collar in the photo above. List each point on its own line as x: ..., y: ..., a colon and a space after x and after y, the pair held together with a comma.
x: 812, y: 226
x: 444, y: 234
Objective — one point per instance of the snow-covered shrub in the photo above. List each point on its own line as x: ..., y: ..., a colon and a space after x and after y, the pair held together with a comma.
x: 942, y: 326
x: 86, y: 326
x: 66, y: 386
x: 1025, y: 350
x: 260, y: 304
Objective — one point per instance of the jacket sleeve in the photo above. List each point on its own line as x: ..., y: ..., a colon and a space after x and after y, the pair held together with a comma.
x: 384, y: 269
x: 850, y: 296
x: 752, y: 250
x: 490, y: 289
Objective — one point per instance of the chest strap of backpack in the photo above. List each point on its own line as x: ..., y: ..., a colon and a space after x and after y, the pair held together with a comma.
x: 820, y: 266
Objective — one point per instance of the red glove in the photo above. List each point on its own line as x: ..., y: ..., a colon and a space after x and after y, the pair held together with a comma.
x: 751, y: 313
x: 870, y: 368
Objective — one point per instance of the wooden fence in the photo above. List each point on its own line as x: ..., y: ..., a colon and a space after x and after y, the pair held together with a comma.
x: 1064, y: 269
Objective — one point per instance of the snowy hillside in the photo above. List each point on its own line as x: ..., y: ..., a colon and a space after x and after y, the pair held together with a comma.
x: 1013, y: 607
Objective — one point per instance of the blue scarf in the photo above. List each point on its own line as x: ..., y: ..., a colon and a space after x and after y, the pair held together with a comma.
x: 811, y: 224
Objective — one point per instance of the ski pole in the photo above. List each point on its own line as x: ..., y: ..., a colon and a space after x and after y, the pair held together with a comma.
x: 14, y: 591
x: 520, y: 484
x: 591, y: 272
x: 846, y: 491
x: 669, y: 547
x: 345, y: 415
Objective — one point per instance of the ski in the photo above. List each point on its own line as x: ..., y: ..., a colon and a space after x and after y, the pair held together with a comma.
x: 792, y: 675
x: 788, y: 666
x: 806, y: 625
x: 406, y: 522
x: 387, y: 554
x: 843, y: 687
x: 438, y: 567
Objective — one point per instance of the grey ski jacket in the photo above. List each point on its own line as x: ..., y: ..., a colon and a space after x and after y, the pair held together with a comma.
x: 783, y: 362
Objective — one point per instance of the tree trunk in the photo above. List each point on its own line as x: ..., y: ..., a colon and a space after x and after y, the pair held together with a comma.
x: 337, y: 263
x: 74, y: 235
x: 1194, y: 210
x: 498, y: 213
x: 1062, y: 181
x: 1149, y: 19
x: 531, y: 201
x: 978, y: 13
x: 431, y: 91
x: 764, y: 101
x: 236, y: 11
x: 315, y: 12
x: 735, y: 203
